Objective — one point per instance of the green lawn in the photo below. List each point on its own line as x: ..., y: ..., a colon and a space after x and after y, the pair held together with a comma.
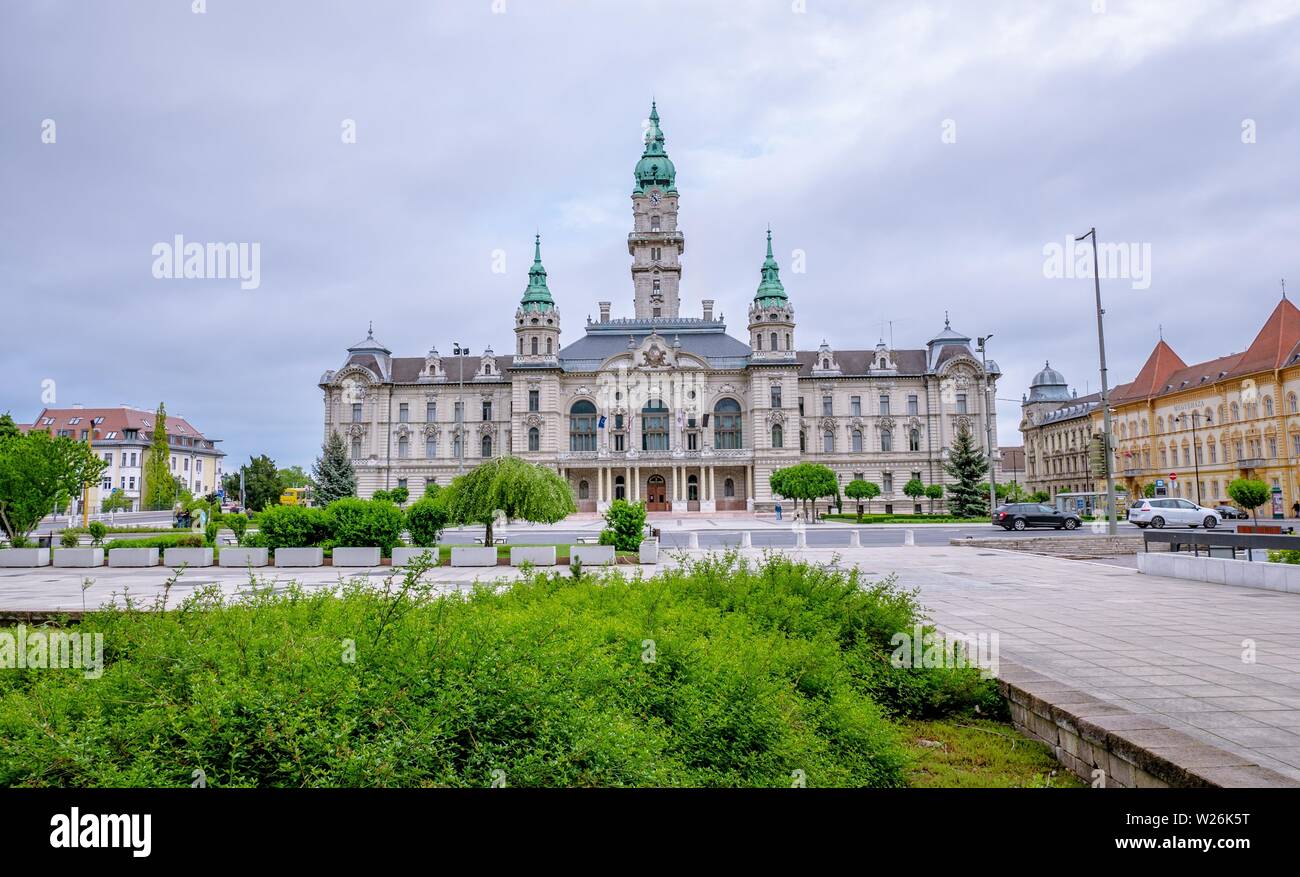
x: 970, y: 753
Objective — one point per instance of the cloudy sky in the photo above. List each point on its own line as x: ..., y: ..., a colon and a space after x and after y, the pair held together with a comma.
x: 921, y: 154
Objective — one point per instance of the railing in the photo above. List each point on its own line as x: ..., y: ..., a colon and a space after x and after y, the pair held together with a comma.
x: 1252, y: 462
x: 1221, y: 544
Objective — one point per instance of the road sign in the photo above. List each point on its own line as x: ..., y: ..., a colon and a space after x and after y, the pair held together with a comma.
x: 1173, y: 476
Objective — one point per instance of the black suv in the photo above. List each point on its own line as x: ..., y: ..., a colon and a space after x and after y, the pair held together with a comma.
x: 1020, y: 515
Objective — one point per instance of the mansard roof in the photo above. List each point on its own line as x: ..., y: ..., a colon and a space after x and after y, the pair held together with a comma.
x: 704, y: 338
x: 857, y: 363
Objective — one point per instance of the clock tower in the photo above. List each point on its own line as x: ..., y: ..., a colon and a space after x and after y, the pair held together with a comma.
x: 655, y: 243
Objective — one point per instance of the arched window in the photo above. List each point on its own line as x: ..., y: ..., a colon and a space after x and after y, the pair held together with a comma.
x: 803, y: 442
x: 774, y: 347
x: 828, y: 441
x: 787, y: 340
x: 582, y: 426
x: 728, y: 488
x: 857, y: 441
x: 1236, y: 412
x: 1291, y: 403
x: 886, y: 440
x: 487, y: 446
x: 403, y: 447
x: 521, y: 345
x: 584, y: 490
x: 549, y: 342
x: 758, y: 341
x: 826, y: 364
x: 654, y: 426
x: 455, y: 447
x: 1268, y: 406
x: 727, y: 425
x: 534, y: 439
x: 778, y: 436
x: 534, y: 345
x: 356, y: 449
x: 620, y: 488
x: 914, y: 440
x: 692, y: 488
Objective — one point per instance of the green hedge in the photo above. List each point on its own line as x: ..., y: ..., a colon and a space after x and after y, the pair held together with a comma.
x: 290, y: 526
x: 717, y: 674
x: 171, y: 540
x: 359, y: 523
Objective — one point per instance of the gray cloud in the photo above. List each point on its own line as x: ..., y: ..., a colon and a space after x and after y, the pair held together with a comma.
x: 474, y: 129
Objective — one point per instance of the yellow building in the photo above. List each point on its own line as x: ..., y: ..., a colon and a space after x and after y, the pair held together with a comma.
x: 1210, y: 423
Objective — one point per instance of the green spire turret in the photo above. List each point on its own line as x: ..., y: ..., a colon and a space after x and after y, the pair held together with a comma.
x: 537, y: 297
x: 655, y: 167
x: 770, y: 291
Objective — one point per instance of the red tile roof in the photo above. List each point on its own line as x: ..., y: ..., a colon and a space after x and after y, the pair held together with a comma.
x: 1153, y: 377
x: 1273, y: 345
x: 115, y: 420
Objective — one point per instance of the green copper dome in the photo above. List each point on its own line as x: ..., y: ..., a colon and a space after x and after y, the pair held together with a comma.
x: 770, y: 291
x: 655, y: 167
x: 537, y: 297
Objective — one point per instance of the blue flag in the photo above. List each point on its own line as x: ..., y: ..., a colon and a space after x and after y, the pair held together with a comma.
x: 601, y: 423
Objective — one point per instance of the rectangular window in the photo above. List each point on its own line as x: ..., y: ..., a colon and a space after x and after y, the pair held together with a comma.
x: 884, y: 406
x: 403, y: 413
x: 618, y: 421
x: 431, y: 447
x: 913, y: 406
x: 534, y: 400
x: 356, y: 412
x: 961, y: 403
x: 198, y: 465
x: 776, y: 395
x: 460, y: 411
x: 692, y: 441
x: 619, y: 441
x: 855, y: 406
x: 828, y: 407
x: 887, y: 483
x: 654, y: 430
x: 430, y: 411
x: 487, y: 409
x: 801, y: 406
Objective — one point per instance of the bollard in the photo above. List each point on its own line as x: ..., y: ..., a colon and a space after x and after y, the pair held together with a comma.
x: 746, y: 539
x: 909, y: 538
x: 855, y: 540
x: 692, y: 539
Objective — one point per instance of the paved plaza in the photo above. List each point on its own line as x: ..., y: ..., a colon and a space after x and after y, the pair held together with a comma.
x: 1164, y: 647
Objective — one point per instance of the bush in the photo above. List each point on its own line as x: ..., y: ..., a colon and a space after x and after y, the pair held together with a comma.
x: 626, y: 525
x: 98, y: 530
x: 425, y: 520
x: 171, y: 540
x: 69, y: 539
x: 238, y: 525
x: 359, y: 523
x: 753, y: 671
x: 210, y: 532
x: 292, y: 526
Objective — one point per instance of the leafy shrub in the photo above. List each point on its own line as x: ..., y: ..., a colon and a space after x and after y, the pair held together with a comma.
x: 359, y: 523
x: 1288, y: 555
x: 292, y: 526
x: 210, y: 532
x: 425, y: 520
x: 171, y: 540
x: 625, y: 525
x: 98, y: 530
x: 238, y: 525
x: 755, y: 671
x: 69, y: 539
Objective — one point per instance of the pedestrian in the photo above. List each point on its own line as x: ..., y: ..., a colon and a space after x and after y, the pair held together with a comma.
x: 1295, y: 508
x: 778, y: 511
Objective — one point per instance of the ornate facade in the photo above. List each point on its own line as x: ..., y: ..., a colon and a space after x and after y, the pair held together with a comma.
x: 1057, y: 426
x: 661, y: 407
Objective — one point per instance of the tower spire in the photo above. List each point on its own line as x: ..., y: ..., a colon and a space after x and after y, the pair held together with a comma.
x: 537, y: 297
x: 770, y: 290
x: 654, y: 168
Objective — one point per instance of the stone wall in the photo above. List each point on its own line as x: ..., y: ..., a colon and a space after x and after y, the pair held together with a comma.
x: 1078, y: 546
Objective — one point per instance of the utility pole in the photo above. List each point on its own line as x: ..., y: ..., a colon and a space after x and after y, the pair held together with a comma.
x: 988, y: 424
x: 1111, y: 524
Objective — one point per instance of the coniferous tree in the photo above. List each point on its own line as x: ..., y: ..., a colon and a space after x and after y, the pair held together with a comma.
x: 968, y: 497
x: 159, y: 483
x: 333, y: 472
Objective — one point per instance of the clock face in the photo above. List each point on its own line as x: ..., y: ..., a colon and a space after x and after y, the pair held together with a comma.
x: 655, y: 197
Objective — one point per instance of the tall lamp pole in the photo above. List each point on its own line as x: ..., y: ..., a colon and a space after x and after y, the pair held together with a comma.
x: 1111, y: 524
x: 988, y: 424
x: 1196, y: 449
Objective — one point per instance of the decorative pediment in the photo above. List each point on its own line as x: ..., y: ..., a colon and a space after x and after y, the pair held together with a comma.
x: 357, y: 430
x: 533, y: 419
x: 431, y: 430
x: 776, y: 418
x: 487, y: 428
x: 403, y: 431
x: 655, y: 352
x: 885, y: 422
x: 828, y: 424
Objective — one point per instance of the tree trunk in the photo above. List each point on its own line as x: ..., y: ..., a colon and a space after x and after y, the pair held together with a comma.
x: 487, y: 532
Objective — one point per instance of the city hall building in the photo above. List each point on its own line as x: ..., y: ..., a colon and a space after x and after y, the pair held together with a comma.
x: 662, y: 407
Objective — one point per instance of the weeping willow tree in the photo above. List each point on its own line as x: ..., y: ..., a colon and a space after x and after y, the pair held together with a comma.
x: 518, y: 489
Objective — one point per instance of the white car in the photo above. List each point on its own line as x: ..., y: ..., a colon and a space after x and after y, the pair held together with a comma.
x: 1162, y: 512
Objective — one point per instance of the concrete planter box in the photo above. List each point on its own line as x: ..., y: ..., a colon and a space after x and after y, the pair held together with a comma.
x: 403, y: 556
x: 541, y: 555
x: 133, y: 557
x: 24, y: 557
x: 592, y: 555
x: 244, y: 557
x: 356, y: 556
x: 1221, y: 570
x: 187, y: 557
x: 79, y: 557
x: 299, y: 557
x: 470, y: 556
x: 650, y: 551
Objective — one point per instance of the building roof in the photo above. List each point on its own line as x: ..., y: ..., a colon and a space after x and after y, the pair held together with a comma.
x: 1274, y: 344
x: 856, y: 363
x: 1049, y: 385
x: 1080, y: 407
x: 704, y: 338
x: 114, y: 421
x: 1153, y: 376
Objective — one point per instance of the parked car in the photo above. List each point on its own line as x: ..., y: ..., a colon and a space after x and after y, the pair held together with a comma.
x: 1158, y: 513
x: 1021, y: 515
x: 1228, y: 512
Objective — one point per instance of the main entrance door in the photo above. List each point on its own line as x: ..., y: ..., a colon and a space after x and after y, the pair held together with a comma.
x: 656, y: 494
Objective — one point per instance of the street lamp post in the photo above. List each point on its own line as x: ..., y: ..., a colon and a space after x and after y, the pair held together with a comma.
x: 988, y: 424
x: 1111, y: 524
x: 1196, y: 449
